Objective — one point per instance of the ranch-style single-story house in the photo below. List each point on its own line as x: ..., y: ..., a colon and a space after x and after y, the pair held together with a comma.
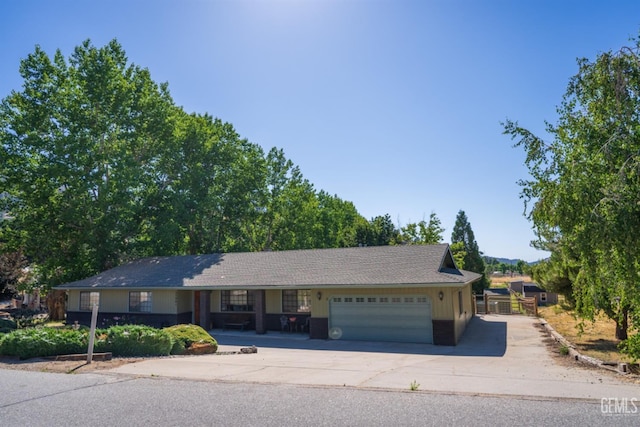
x: 412, y: 293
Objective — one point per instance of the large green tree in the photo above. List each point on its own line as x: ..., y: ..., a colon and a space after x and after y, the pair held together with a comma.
x: 99, y: 167
x: 583, y: 193
x: 12, y: 272
x: 557, y: 274
x: 79, y: 143
x: 472, y: 259
x: 423, y: 233
x: 379, y: 231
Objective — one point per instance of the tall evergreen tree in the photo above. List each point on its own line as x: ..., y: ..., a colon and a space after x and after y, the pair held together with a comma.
x: 473, y: 261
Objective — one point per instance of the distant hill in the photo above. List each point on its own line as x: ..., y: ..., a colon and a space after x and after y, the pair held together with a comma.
x: 509, y: 261
x: 501, y: 260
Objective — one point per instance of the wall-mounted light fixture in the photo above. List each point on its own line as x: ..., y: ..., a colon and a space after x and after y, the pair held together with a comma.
x: 440, y: 295
x: 319, y: 295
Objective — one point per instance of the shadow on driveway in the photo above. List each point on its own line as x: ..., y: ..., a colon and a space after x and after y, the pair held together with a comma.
x: 482, y: 338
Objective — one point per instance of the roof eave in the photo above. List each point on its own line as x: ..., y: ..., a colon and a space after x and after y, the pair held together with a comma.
x: 268, y: 287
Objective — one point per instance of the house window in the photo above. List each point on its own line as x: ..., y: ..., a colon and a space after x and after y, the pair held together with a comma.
x: 296, y: 301
x: 88, y: 299
x: 543, y: 297
x: 140, y: 302
x: 460, y: 302
x: 237, y: 300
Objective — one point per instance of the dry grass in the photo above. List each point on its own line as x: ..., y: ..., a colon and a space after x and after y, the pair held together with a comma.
x: 499, y: 281
x: 596, y: 339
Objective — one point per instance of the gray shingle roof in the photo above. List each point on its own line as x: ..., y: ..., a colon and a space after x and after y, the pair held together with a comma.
x: 366, y: 266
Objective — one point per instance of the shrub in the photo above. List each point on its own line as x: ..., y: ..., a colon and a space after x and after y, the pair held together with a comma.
x: 631, y: 347
x: 127, y: 340
x: 135, y: 340
x: 187, y: 337
x: 41, y: 342
x: 27, y: 318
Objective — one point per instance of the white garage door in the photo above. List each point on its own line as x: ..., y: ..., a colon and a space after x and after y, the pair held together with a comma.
x: 396, y: 318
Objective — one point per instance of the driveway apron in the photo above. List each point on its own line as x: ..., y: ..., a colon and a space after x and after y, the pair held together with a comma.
x: 498, y: 355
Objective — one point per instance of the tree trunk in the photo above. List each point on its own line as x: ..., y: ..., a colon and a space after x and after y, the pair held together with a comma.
x: 622, y: 325
x: 56, y: 305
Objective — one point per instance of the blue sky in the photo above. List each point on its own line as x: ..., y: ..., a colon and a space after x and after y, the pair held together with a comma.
x: 393, y: 105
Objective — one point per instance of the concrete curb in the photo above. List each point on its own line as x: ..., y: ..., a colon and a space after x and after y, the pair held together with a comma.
x: 620, y: 368
x: 82, y: 356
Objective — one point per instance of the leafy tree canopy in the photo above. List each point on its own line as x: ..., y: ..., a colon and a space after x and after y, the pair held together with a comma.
x: 423, y: 233
x: 100, y: 167
x: 582, y: 196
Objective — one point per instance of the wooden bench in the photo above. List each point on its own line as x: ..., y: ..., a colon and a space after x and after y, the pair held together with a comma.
x: 237, y: 322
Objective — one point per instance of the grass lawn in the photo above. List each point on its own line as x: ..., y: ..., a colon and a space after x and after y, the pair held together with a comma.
x: 597, y: 339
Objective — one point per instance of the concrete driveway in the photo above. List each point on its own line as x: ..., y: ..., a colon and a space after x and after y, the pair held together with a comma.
x: 501, y: 355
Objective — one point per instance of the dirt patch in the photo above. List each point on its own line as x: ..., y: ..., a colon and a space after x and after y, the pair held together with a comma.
x: 560, y: 357
x: 64, y: 366
x: 80, y: 366
x: 595, y: 339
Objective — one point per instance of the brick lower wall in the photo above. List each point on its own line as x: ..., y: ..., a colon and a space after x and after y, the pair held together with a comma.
x: 444, y: 332
x: 109, y: 319
x: 319, y: 328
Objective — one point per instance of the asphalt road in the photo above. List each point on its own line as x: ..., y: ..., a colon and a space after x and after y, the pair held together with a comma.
x: 47, y: 399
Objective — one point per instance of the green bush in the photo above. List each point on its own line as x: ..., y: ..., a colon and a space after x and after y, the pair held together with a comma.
x: 185, y: 336
x: 127, y: 340
x: 41, y: 342
x: 631, y: 347
x: 27, y: 318
x: 135, y: 340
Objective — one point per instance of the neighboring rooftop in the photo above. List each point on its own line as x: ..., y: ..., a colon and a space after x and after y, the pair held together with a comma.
x: 497, y: 291
x: 531, y: 287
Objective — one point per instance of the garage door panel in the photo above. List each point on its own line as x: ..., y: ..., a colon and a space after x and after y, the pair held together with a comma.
x: 401, y: 319
x: 417, y: 335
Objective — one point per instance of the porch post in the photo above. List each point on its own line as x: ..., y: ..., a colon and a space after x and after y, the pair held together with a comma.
x: 205, y: 310
x: 261, y: 311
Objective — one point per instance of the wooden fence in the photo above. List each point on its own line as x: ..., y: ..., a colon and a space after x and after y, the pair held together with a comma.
x: 506, y: 304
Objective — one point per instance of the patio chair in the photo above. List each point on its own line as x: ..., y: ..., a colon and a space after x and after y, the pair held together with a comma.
x: 284, y: 322
x: 305, y: 326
